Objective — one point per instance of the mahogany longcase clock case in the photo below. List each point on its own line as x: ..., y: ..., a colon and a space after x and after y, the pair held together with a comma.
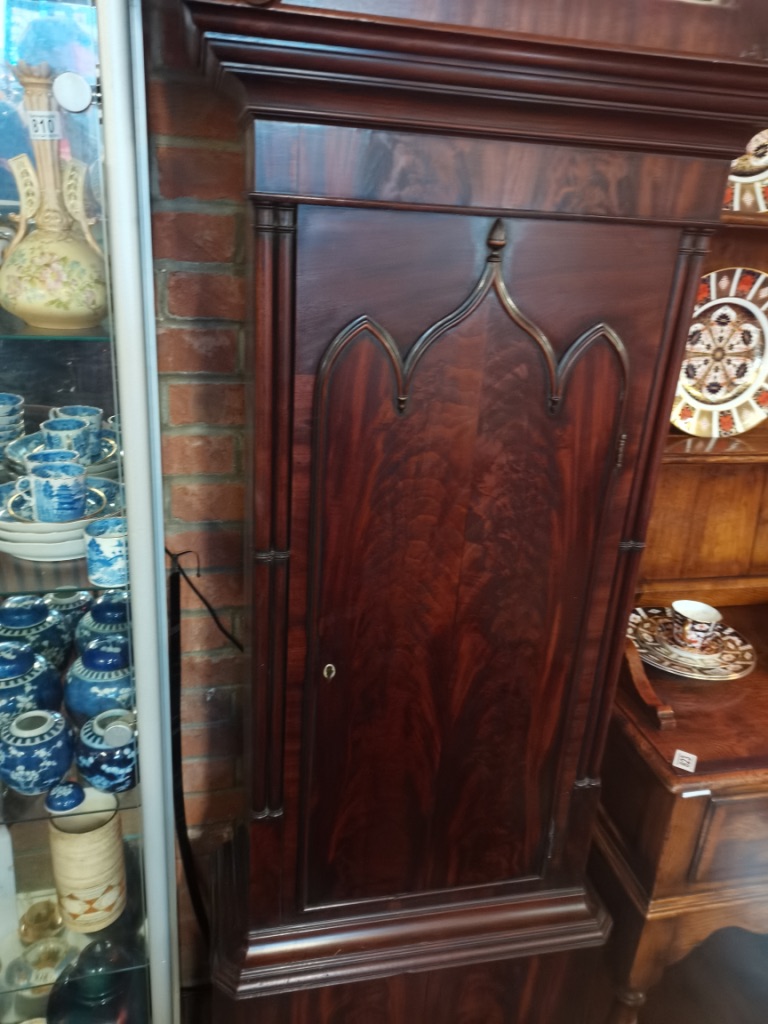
x: 476, y: 237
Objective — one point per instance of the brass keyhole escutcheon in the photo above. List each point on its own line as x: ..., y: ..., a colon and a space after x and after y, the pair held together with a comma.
x: 329, y: 671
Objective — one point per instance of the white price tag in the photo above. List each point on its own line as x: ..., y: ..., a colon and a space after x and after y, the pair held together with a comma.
x: 685, y: 761
x: 44, y: 125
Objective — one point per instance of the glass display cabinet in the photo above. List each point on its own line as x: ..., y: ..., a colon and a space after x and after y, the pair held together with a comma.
x: 85, y: 844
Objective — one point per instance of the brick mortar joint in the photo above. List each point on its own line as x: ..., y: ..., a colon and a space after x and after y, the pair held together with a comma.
x: 189, y: 204
x: 167, y: 322
x: 210, y: 378
x: 193, y: 430
x: 165, y: 265
x: 158, y: 141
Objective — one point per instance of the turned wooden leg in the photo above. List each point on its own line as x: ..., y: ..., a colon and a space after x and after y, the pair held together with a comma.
x: 626, y: 1004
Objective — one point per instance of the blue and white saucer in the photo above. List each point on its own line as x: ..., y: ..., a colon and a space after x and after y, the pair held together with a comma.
x: 104, y: 465
x: 53, y: 542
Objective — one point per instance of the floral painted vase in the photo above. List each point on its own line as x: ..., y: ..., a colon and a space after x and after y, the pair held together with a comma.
x: 36, y: 751
x: 101, y: 679
x: 105, y: 751
x: 71, y: 604
x: 108, y: 617
x: 28, y: 619
x: 27, y: 681
x: 52, y: 276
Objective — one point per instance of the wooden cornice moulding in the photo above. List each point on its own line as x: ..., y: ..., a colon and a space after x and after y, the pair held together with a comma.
x: 352, y: 71
x: 376, y: 946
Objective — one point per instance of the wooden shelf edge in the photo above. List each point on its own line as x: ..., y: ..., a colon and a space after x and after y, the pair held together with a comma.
x: 716, y: 590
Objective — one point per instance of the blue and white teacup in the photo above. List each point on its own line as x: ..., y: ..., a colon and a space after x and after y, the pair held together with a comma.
x: 106, y: 552
x: 67, y: 432
x: 8, y: 434
x: 92, y: 416
x: 57, y: 493
x: 49, y: 456
x: 10, y: 404
x: 11, y: 419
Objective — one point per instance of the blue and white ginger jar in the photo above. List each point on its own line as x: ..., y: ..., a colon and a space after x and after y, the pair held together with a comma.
x: 70, y: 603
x: 107, y: 617
x: 27, y: 681
x: 28, y: 619
x: 101, y: 679
x: 36, y: 751
x: 105, y: 751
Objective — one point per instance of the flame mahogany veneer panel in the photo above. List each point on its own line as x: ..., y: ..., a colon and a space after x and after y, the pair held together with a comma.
x: 322, y: 162
x: 455, y: 542
x: 738, y: 31
x: 457, y: 591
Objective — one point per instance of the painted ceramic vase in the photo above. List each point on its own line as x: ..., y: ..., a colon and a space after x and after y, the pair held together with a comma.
x: 28, y: 619
x: 27, y: 681
x: 36, y: 750
x: 108, y: 617
x: 101, y: 679
x: 71, y: 604
x: 105, y: 751
x: 52, y: 276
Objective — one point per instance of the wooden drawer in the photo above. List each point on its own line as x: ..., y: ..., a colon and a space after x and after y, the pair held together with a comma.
x: 733, y: 841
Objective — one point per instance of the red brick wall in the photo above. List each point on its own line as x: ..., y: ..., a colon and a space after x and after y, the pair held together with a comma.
x: 197, y: 178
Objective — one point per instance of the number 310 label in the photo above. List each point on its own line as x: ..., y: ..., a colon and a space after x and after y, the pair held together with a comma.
x: 44, y: 124
x: 684, y: 760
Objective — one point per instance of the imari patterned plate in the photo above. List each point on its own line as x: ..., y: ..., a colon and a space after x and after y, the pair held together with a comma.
x: 722, y: 388
x: 747, y: 189
x: 727, y: 656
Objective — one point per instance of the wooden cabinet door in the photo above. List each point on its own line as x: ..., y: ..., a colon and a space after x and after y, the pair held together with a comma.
x: 469, y: 399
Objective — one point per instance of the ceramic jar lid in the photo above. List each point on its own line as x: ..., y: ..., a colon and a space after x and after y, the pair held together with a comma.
x: 106, y: 655
x: 21, y: 611
x: 111, y: 607
x: 16, y: 659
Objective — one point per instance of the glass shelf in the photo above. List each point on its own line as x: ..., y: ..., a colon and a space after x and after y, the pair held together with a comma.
x: 13, y: 329
x: 21, y: 576
x: 16, y: 809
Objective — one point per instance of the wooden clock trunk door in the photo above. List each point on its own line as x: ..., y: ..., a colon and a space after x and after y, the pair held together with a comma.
x: 469, y: 399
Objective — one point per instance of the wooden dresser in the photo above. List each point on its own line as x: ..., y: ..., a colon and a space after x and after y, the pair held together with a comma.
x: 476, y: 235
x: 680, y: 854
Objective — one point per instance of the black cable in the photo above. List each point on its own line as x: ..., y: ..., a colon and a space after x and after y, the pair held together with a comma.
x: 211, y: 611
x: 174, y: 665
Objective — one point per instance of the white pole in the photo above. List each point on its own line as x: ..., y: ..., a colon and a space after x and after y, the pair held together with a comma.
x: 130, y: 258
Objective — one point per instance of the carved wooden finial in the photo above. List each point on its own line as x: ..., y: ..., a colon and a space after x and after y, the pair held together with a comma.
x: 497, y: 239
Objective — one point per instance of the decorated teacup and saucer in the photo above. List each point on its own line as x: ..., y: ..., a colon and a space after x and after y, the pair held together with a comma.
x: 690, y: 639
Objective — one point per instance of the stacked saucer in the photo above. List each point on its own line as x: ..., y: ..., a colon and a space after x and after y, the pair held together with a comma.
x: 725, y: 655
x: 23, y: 537
x: 11, y: 418
x: 104, y: 465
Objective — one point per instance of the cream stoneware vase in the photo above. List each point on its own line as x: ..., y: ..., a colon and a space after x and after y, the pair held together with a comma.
x: 52, y: 275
